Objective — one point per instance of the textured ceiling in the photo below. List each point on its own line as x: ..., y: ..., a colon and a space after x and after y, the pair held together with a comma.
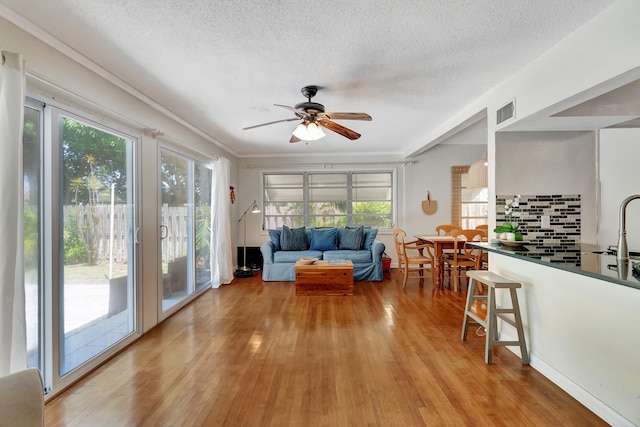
x: 221, y: 65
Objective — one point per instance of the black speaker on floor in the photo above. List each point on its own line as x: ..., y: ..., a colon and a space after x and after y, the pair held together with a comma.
x: 254, y: 258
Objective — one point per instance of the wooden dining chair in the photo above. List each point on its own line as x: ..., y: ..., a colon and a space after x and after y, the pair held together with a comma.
x: 484, y: 228
x: 446, y: 229
x: 412, y: 258
x: 464, y: 257
x: 485, y: 255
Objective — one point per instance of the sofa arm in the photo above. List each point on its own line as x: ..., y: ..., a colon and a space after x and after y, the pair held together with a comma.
x: 22, y: 399
x: 267, y: 249
x: 377, y: 249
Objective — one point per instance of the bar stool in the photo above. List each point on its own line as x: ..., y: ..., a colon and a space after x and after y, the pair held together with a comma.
x: 490, y: 324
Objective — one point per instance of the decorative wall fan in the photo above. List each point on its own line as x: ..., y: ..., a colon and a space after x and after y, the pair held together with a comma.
x: 314, y: 118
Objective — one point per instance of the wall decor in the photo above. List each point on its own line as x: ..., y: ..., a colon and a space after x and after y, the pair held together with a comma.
x: 429, y: 206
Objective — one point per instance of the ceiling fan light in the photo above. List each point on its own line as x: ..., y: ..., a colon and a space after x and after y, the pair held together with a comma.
x: 301, y: 132
x: 308, y: 132
x: 314, y: 132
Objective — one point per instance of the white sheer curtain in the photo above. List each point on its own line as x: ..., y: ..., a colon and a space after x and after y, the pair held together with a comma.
x: 221, y: 250
x: 13, y: 341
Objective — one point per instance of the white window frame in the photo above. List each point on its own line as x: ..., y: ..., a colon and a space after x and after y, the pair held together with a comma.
x: 349, y: 199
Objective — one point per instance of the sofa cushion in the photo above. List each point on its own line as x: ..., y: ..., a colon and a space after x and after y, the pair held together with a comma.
x: 293, y: 256
x: 369, y: 237
x: 274, y: 235
x: 324, y: 239
x: 352, y: 238
x: 355, y: 256
x: 294, y: 239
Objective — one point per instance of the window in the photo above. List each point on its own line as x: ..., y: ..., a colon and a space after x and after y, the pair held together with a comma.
x: 328, y: 199
x: 469, y: 206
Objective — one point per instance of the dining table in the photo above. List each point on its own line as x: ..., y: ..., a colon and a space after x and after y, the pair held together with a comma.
x: 440, y: 244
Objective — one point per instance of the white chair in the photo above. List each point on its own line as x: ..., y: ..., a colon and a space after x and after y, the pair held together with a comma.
x: 22, y: 399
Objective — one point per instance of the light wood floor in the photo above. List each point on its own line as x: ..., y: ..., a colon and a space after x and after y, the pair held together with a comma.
x: 254, y: 354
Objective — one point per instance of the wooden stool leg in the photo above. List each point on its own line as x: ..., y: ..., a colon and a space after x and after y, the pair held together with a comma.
x: 465, y: 323
x: 491, y: 331
x: 519, y: 328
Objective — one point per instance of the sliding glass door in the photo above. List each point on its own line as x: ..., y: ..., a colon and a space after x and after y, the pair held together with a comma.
x: 185, y: 230
x: 97, y: 219
x: 176, y: 229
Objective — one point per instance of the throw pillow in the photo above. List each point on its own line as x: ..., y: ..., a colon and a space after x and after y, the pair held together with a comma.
x: 369, y: 236
x: 352, y: 238
x: 324, y: 239
x: 274, y: 235
x: 294, y: 239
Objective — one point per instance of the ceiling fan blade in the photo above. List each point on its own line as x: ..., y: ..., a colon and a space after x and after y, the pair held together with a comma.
x: 270, y: 123
x: 302, y: 113
x: 347, y: 116
x: 294, y: 139
x: 335, y: 127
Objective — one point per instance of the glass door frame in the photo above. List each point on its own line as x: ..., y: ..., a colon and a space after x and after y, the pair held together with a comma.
x: 53, y: 244
x: 193, y: 290
x: 35, y: 105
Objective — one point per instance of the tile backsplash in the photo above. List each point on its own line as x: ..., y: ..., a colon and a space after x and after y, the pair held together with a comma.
x: 564, y: 212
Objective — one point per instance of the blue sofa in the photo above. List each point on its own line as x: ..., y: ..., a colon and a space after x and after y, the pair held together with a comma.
x: 279, y: 264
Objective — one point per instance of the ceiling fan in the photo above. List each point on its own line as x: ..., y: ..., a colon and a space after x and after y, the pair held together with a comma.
x: 314, y: 117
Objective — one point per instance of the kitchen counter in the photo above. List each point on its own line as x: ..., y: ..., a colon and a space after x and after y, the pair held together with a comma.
x: 581, y: 259
x: 580, y: 314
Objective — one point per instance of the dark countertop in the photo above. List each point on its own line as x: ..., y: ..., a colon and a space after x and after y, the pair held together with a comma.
x: 580, y: 259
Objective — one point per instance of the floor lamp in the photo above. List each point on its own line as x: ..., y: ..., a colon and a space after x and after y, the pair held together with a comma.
x: 244, y: 271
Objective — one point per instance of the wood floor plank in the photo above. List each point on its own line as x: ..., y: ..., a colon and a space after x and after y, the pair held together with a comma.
x: 254, y: 354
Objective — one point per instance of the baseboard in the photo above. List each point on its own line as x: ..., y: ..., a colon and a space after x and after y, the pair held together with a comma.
x: 591, y: 402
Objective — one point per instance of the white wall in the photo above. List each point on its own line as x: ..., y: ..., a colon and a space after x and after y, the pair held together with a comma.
x: 619, y: 151
x: 432, y: 172
x: 550, y: 163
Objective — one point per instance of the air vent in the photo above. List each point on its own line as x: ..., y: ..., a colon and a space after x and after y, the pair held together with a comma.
x: 505, y: 113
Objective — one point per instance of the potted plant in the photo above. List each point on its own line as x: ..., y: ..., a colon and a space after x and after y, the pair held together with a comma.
x: 509, y: 229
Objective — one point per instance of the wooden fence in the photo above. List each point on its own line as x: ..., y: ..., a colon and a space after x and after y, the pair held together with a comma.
x: 94, y: 224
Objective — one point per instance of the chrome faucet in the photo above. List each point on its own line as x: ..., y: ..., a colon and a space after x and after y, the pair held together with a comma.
x: 623, y: 250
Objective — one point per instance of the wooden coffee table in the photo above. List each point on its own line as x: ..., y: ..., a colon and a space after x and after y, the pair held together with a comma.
x: 324, y: 278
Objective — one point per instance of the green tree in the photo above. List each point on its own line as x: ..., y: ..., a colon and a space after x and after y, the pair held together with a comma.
x: 89, y: 151
x: 174, y: 177
x: 93, y: 160
x: 31, y: 155
x: 74, y: 247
